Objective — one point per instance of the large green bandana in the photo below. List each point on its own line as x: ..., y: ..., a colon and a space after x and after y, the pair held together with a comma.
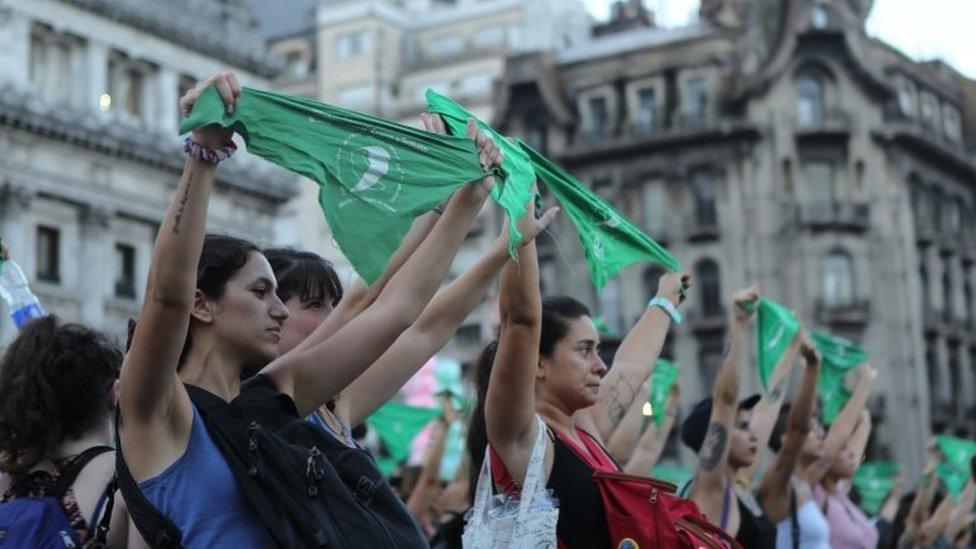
x: 517, y: 189
x: 375, y: 176
x: 397, y: 424
x: 776, y: 328
x: 873, y: 481
x: 840, y: 356
x: 956, y: 467
x: 664, y: 376
x: 610, y: 240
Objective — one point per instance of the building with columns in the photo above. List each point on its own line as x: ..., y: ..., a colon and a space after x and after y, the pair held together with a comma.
x: 776, y: 141
x: 89, y: 155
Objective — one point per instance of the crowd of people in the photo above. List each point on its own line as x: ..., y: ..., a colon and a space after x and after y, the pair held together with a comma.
x: 230, y: 418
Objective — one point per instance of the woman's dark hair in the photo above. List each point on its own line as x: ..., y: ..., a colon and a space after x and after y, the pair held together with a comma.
x: 477, y: 437
x: 782, y: 422
x: 221, y: 258
x: 305, y: 274
x: 557, y: 313
x: 53, y: 378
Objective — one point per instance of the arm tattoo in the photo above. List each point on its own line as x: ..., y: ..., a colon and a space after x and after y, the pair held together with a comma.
x: 178, y: 218
x: 714, y: 447
x: 776, y: 394
x: 619, y: 402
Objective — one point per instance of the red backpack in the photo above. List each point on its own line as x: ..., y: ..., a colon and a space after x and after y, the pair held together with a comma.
x: 643, y: 512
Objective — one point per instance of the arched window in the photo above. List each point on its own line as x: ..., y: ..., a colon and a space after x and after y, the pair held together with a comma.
x: 707, y: 278
x: 810, y: 100
x: 703, y: 186
x: 838, y: 279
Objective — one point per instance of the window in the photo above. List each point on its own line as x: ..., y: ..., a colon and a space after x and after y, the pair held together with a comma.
x: 707, y: 277
x: 951, y: 123
x: 356, y: 96
x: 491, y: 36
x: 352, y: 44
x: 709, y: 362
x: 930, y: 109
x: 48, y: 254
x: 655, y: 208
x: 135, y: 84
x: 536, y: 136
x: 810, y: 101
x: 703, y: 187
x: 838, y: 279
x: 696, y: 98
x: 446, y: 45
x: 609, y: 299
x: 646, y: 109
x: 127, y: 87
x: 474, y: 84
x: 906, y: 97
x: 49, y: 67
x: 125, y: 271
x: 652, y: 275
x: 947, y: 292
x: 955, y: 379
x: 296, y: 66
x: 923, y: 287
x: 967, y: 293
x: 818, y: 178
x: 599, y: 116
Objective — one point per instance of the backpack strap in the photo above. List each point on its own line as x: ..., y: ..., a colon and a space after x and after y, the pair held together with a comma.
x: 68, y: 474
x: 157, y: 529
x: 108, y: 498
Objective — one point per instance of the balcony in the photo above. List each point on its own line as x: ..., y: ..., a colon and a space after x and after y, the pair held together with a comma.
x: 853, y: 314
x: 850, y: 216
x: 706, y: 322
x: 701, y: 230
x: 832, y: 124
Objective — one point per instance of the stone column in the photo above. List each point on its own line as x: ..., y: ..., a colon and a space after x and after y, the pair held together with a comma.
x: 97, y: 81
x: 15, y: 53
x: 96, y: 271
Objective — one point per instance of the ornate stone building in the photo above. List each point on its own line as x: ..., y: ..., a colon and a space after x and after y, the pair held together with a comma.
x: 89, y: 155
x: 776, y: 141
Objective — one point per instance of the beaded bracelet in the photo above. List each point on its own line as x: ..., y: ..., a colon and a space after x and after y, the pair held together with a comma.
x: 205, y: 154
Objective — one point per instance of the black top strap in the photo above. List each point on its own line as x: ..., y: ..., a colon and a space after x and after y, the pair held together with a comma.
x: 68, y: 473
x: 157, y: 529
x: 795, y: 526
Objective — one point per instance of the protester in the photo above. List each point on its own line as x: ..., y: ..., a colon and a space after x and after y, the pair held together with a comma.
x: 211, y: 315
x: 547, y: 363
x: 58, y: 383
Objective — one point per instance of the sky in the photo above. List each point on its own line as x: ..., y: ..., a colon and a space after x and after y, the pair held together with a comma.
x: 923, y: 30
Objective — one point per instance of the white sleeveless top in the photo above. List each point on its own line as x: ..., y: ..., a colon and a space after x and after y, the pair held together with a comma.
x: 814, y: 528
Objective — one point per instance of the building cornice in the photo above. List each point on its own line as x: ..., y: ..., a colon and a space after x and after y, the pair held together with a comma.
x: 338, y: 13
x: 183, y: 23
x: 125, y: 141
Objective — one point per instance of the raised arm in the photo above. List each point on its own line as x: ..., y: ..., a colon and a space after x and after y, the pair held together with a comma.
x: 316, y: 374
x: 709, y: 481
x: 425, y: 491
x: 859, y: 439
x: 843, y: 427
x: 149, y: 384
x: 774, y: 499
x: 436, y: 325
x: 922, y: 500
x: 510, y: 401
x: 623, y: 440
x: 636, y: 357
x: 962, y: 512
x: 765, y: 412
x: 652, y: 441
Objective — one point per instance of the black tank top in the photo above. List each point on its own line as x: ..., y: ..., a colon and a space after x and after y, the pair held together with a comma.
x: 582, y: 522
x: 754, y: 531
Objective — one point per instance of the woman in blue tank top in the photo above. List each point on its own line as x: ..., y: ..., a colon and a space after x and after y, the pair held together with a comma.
x: 211, y: 316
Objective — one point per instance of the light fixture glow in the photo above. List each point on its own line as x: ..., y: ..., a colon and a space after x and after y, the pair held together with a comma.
x: 105, y: 102
x: 647, y: 410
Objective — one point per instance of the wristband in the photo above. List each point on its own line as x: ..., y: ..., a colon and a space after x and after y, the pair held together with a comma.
x: 205, y: 154
x: 668, y: 308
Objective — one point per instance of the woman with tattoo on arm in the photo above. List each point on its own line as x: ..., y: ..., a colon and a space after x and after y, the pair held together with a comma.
x: 623, y: 440
x: 727, y: 444
x: 211, y: 315
x: 547, y: 375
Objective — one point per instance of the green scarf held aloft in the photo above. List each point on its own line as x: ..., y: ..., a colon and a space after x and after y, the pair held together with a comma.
x: 517, y: 189
x: 610, y: 240
x: 873, y: 481
x: 663, y: 378
x: 375, y: 176
x: 397, y: 424
x: 840, y: 356
x: 776, y: 326
x: 956, y: 466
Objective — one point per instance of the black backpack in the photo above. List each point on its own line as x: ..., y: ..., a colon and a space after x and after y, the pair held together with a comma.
x: 278, y: 460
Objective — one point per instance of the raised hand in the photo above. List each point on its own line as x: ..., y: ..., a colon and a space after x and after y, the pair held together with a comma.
x: 673, y: 286
x: 744, y: 302
x: 808, y: 350
x: 213, y: 136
